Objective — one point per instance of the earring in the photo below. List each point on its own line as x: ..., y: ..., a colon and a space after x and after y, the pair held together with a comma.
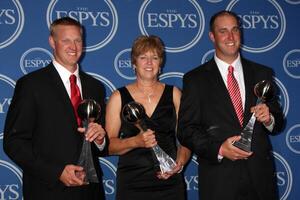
x: 134, y: 68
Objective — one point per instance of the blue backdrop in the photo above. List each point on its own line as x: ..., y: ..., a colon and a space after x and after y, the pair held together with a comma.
x: 271, y: 37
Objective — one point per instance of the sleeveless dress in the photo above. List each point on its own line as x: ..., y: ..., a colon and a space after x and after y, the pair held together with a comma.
x: 136, y: 174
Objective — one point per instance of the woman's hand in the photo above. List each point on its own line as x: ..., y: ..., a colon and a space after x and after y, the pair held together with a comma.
x: 176, y: 170
x: 146, y: 139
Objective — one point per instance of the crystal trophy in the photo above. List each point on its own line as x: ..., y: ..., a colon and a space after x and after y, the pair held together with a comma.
x: 134, y: 113
x: 88, y: 111
x: 265, y: 91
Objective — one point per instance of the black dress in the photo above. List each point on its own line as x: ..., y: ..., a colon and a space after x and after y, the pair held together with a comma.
x: 136, y: 174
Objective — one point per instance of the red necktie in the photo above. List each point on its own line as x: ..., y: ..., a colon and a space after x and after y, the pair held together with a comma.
x: 75, y: 96
x: 235, y: 95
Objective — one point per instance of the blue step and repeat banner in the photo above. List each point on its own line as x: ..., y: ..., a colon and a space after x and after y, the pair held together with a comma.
x: 271, y: 37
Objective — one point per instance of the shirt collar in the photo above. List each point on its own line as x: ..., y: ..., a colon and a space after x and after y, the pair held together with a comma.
x: 64, y: 73
x: 223, y: 66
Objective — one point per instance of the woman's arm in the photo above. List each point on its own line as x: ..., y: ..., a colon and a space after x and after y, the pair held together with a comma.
x: 119, y: 146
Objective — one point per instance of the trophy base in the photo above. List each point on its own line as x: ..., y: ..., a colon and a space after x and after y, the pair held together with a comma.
x: 243, y: 146
x: 86, y: 161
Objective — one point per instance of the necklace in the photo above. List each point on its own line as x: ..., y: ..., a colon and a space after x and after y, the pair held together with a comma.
x: 149, y: 95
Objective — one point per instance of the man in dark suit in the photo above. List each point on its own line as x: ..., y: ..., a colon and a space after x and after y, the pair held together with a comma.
x: 209, y: 124
x: 41, y: 131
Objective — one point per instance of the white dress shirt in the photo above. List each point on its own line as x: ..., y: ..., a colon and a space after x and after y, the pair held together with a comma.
x: 238, y: 74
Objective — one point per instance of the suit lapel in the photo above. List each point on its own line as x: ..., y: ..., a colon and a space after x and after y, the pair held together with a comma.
x: 84, y: 86
x: 249, y: 86
x: 220, y: 89
x: 61, y: 93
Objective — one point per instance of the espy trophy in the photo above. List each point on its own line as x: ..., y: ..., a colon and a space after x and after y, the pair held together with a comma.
x: 265, y: 91
x: 88, y: 111
x: 134, y: 113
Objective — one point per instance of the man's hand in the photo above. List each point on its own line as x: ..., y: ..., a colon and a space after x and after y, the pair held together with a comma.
x: 262, y: 113
x: 95, y: 132
x: 231, y: 152
x: 72, y: 175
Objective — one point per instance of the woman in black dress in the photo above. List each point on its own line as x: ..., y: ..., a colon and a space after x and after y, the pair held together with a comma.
x: 137, y: 176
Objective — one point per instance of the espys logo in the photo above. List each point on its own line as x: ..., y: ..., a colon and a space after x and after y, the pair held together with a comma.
x: 207, y: 56
x: 109, y: 179
x: 122, y: 64
x: 109, y: 87
x: 263, y: 26
x: 168, y: 78
x: 293, y: 2
x: 10, y: 182
x: 11, y: 21
x: 283, y: 96
x: 170, y: 19
x: 98, y: 18
x: 191, y: 178
x: 284, y: 176
x: 214, y: 1
x: 35, y: 58
x: 7, y: 86
x: 292, y: 138
x: 291, y: 63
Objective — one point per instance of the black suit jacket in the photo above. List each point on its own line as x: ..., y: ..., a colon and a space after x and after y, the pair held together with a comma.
x: 207, y: 118
x: 40, y: 134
